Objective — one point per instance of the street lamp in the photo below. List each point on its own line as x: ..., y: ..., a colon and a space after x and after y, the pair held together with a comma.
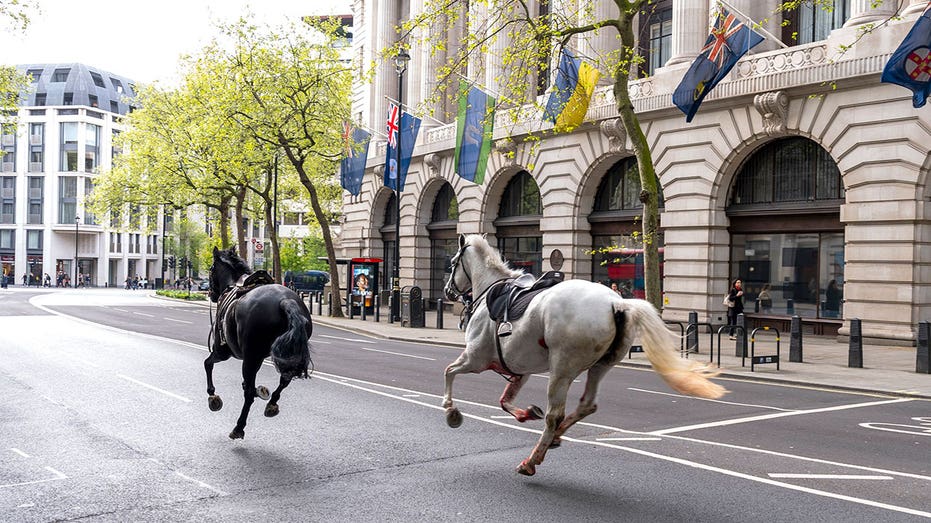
x: 77, y: 220
x: 400, y: 65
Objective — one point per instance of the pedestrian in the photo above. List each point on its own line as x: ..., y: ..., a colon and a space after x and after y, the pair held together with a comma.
x: 735, y: 304
x: 832, y: 297
x: 25, y: 279
x: 48, y: 280
x: 766, y: 300
x: 615, y: 289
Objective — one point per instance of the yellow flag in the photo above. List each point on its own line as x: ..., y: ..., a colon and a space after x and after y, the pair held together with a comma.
x: 573, y: 114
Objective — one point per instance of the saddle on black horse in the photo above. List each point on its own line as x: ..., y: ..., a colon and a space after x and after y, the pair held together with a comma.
x: 508, y: 300
x: 227, y: 303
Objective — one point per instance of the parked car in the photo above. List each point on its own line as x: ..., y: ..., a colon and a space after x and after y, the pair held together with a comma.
x: 306, y: 281
x: 204, y: 285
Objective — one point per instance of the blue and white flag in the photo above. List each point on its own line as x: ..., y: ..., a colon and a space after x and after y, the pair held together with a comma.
x: 352, y: 167
x: 910, y: 64
x: 405, y: 127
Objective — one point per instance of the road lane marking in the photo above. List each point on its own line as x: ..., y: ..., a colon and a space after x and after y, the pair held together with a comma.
x: 189, y: 478
x: 58, y: 476
x: 21, y: 453
x: 922, y: 429
x: 780, y: 475
x: 144, y: 314
x: 628, y: 439
x: 397, y: 354
x: 357, y: 340
x: 749, y: 419
x: 152, y: 387
x: 661, y: 393
x: 178, y: 321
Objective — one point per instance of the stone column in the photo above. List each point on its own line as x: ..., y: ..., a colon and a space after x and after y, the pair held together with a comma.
x: 689, y: 30
x: 599, y: 44
x: 862, y: 12
x: 386, y: 78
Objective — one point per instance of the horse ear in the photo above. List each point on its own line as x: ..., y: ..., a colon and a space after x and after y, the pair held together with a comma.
x: 215, y: 251
x: 461, y: 241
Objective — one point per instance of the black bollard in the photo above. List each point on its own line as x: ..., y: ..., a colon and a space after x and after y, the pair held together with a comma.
x: 390, y: 308
x: 320, y: 304
x: 795, y: 340
x: 377, y: 307
x: 855, y: 351
x: 439, y: 313
x: 691, y: 337
x: 329, y: 303
x: 923, y: 359
x: 363, y: 309
x: 741, y: 351
x: 350, y: 311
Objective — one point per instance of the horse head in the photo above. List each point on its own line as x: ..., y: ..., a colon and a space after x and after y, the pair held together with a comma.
x: 226, y: 269
x: 474, y: 266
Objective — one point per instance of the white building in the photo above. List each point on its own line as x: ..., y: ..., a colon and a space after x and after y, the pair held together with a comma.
x: 63, y: 138
x: 799, y: 170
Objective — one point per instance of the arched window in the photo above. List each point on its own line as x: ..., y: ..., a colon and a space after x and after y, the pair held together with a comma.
x: 445, y: 206
x: 389, y: 239
x: 785, y: 171
x: 518, y: 224
x: 521, y: 197
x: 443, y: 240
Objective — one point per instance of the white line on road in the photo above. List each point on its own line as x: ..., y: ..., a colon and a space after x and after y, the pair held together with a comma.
x: 762, y: 417
x: 826, y: 476
x: 705, y: 399
x: 118, y: 309
x: 152, y: 387
x: 201, y: 484
x: 58, y: 476
x: 144, y: 314
x: 178, y: 321
x: 628, y: 439
x: 397, y: 354
x: 357, y: 340
x: 21, y: 453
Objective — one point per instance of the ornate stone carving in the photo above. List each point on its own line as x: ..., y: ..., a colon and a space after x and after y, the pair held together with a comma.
x: 613, y: 128
x: 433, y: 161
x: 507, y: 148
x: 380, y: 171
x: 774, y: 107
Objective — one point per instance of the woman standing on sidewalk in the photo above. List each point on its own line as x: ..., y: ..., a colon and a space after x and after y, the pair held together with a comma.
x: 735, y: 305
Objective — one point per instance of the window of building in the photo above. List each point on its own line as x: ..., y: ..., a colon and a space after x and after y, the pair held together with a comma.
x: 60, y: 75
x: 68, y: 99
x: 389, y: 236
x: 8, y: 199
x: 69, y: 147
x: 116, y: 242
x: 655, y: 36
x: 445, y: 206
x: 114, y: 107
x: 91, y: 148
x: 291, y: 218
x: 67, y: 199
x: 35, y: 196
x: 116, y: 84
x: 7, y: 239
x: 543, y: 75
x: 814, y: 21
x: 444, y: 242
x: 34, y: 240
x: 36, y: 147
x: 8, y: 148
x: 92, y: 101
x: 790, y: 170
x: 521, y: 197
x: 98, y: 80
x: 620, y: 188
x: 518, y: 224
x: 89, y: 217
x: 40, y: 99
x: 34, y: 75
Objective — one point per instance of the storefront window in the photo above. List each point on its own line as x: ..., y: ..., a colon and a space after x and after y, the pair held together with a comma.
x: 523, y: 253
x: 619, y: 259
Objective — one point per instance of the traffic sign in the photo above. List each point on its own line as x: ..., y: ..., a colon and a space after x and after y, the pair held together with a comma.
x: 259, y: 247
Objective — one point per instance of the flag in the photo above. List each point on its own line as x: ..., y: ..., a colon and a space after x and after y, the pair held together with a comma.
x: 910, y: 64
x: 474, y: 127
x: 352, y: 167
x: 729, y: 40
x: 401, y: 126
x: 575, y: 84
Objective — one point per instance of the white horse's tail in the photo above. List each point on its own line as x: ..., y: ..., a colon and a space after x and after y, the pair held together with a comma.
x: 659, y: 344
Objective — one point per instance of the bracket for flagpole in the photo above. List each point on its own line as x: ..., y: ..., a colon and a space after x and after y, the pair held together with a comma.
x: 405, y: 106
x: 753, y: 25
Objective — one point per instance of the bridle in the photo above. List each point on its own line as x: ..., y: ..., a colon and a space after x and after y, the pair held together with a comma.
x: 452, y: 277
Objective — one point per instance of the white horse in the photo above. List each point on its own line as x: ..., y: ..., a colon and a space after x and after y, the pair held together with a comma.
x: 569, y: 328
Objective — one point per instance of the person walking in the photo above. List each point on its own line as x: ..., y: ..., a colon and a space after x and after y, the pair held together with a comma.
x: 735, y: 304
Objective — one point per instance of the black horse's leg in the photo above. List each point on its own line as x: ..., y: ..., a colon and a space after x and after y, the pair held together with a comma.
x: 249, y: 370
x: 220, y: 354
x: 271, y: 410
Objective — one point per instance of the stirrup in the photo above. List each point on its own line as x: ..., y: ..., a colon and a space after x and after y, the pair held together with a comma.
x: 504, y: 329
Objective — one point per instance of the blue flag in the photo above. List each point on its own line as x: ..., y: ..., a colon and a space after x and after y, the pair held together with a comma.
x: 729, y: 40
x: 910, y: 64
x: 352, y: 167
x: 407, y: 128
x: 474, y: 130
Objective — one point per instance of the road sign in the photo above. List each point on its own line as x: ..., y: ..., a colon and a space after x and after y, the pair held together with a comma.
x: 259, y: 247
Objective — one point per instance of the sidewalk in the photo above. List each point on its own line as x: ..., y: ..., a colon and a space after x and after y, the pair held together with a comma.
x: 886, y: 369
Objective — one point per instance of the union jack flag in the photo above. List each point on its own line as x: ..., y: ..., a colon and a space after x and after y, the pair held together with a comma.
x: 717, y: 44
x: 393, y: 125
x: 347, y: 139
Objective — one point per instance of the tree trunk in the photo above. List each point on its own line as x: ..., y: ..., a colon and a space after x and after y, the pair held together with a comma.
x: 649, y: 194
x: 241, y: 234
x: 224, y: 211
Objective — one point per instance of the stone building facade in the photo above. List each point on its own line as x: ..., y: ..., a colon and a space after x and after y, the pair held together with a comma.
x: 801, y: 173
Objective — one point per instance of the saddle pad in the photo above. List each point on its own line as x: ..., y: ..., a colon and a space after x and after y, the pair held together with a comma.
x: 499, y: 297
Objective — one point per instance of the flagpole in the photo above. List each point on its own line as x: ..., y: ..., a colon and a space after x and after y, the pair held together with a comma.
x: 402, y: 105
x: 753, y: 25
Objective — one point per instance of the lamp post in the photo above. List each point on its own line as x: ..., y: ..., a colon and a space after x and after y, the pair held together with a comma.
x: 400, y: 64
x: 77, y: 220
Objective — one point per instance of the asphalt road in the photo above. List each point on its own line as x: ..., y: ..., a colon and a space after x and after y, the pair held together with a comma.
x: 105, y: 419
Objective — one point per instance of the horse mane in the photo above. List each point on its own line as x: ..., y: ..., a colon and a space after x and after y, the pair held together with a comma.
x: 490, y: 254
x: 236, y: 264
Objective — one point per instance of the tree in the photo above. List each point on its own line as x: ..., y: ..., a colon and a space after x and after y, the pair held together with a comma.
x: 528, y: 39
x: 14, y: 17
x: 294, y: 94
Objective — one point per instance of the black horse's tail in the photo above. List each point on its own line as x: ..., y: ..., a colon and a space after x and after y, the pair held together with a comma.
x: 291, y: 350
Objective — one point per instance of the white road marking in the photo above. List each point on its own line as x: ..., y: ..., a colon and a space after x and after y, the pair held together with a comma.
x: 724, y: 423
x: 144, y: 314
x: 58, y: 476
x: 21, y: 453
x: 118, y: 309
x: 397, y: 354
x: 156, y: 389
x: 826, y: 476
x: 547, y: 376
x: 192, y: 480
x: 922, y: 429
x: 178, y: 321
x: 628, y: 439
x: 706, y: 399
x: 411, y: 395
x: 357, y: 340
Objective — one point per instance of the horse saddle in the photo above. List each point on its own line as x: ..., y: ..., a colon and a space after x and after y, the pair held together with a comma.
x: 232, y: 294
x: 508, y: 300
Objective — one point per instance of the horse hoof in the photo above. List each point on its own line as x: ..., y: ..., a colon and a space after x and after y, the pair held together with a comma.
x: 453, y: 417
x: 271, y: 410
x: 262, y: 392
x: 526, y: 469
x: 214, y: 403
x: 237, y: 434
x: 556, y: 443
x: 534, y: 412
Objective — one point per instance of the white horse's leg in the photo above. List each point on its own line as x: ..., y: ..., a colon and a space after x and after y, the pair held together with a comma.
x: 462, y: 364
x: 510, y: 392
x: 587, y: 405
x: 555, y: 413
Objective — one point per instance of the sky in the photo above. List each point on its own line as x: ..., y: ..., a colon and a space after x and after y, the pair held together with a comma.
x: 139, y: 40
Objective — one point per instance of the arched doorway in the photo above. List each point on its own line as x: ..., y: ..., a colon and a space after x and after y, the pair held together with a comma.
x: 389, y: 241
x: 786, y: 235
x: 444, y: 218
x: 617, y: 244
x: 518, y: 224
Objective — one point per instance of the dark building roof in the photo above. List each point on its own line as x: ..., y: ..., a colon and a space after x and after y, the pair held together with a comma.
x: 78, y: 84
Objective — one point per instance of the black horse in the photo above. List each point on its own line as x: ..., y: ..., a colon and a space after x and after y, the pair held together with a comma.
x: 255, y: 318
